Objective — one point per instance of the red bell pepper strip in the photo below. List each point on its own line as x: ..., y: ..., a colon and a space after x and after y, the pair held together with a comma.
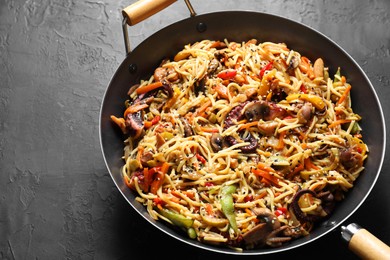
x: 154, y: 121
x: 200, y: 158
x: 227, y: 74
x: 265, y: 68
x: 159, y: 174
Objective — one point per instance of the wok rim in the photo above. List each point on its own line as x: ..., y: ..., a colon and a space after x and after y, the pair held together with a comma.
x: 262, y: 251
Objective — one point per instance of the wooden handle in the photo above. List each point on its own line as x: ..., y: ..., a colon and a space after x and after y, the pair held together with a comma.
x: 139, y: 11
x: 367, y: 246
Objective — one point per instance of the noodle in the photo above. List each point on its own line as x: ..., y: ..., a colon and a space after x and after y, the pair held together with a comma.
x: 241, y: 140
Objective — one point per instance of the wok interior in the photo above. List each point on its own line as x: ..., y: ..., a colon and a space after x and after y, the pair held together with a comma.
x: 263, y: 27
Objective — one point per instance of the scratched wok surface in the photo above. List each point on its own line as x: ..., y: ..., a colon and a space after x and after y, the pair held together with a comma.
x: 57, y: 199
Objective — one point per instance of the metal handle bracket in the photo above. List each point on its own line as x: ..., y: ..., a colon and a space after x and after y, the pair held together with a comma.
x: 141, y: 10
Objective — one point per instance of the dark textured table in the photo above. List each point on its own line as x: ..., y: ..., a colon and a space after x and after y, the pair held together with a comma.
x: 57, y: 200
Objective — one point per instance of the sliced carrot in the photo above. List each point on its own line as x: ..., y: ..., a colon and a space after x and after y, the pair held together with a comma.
x: 203, y: 108
x: 265, y: 167
x: 280, y: 145
x: 222, y: 91
x: 209, y: 209
x: 261, y: 195
x: 310, y: 165
x: 345, y: 94
x: 248, y: 125
x: 248, y: 211
x: 296, y: 170
x: 120, y: 122
x: 305, y: 67
x: 134, y: 109
x: 127, y: 181
x: 157, y: 182
x: 165, y: 167
x: 338, y: 122
x: 146, y: 88
x: 208, y: 129
x: 152, y: 122
x: 267, y: 177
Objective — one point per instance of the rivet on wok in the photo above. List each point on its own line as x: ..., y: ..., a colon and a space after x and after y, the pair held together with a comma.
x: 201, y: 27
x: 133, y: 68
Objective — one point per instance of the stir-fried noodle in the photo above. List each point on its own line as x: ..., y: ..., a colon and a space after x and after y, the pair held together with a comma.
x: 244, y: 145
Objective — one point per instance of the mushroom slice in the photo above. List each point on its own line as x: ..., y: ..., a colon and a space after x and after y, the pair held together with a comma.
x: 305, y: 112
x: 216, y: 142
x: 135, y: 124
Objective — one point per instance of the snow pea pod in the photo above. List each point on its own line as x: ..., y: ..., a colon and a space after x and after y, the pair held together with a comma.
x: 227, y: 205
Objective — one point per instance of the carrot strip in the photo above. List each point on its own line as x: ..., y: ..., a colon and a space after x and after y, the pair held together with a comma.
x: 248, y: 125
x: 248, y: 211
x: 296, y: 170
x: 127, y: 181
x: 261, y: 195
x: 280, y: 145
x: 222, y: 91
x: 339, y: 122
x: 165, y: 167
x: 305, y: 67
x: 120, y: 122
x: 203, y: 108
x: 344, y: 95
x: 264, y: 167
x: 134, y: 109
x: 208, y: 129
x: 310, y: 165
x: 146, y: 88
x: 267, y: 177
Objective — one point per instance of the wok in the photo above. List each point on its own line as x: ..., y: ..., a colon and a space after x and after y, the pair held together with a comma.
x: 239, y: 26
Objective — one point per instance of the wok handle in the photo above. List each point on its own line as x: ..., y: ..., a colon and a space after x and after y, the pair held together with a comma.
x: 142, y: 9
x: 364, y: 244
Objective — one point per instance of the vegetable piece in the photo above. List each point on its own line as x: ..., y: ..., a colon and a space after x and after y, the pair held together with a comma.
x: 200, y: 158
x: 157, y: 174
x: 345, y: 94
x: 179, y: 220
x: 338, y: 122
x: 279, y: 160
x: 267, y: 177
x: 120, y: 122
x: 315, y: 100
x: 134, y: 109
x: 337, y: 76
x: 211, y: 220
x: 310, y: 165
x: 280, y: 144
x: 222, y: 91
x: 318, y: 68
x: 265, y: 68
x: 227, y: 74
x: 154, y: 121
x: 227, y: 205
x: 184, y: 54
x: 146, y: 88
x: 176, y: 218
x: 356, y: 128
x: 281, y: 211
x: 306, y: 67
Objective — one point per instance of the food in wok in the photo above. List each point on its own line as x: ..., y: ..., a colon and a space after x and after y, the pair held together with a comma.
x: 241, y: 144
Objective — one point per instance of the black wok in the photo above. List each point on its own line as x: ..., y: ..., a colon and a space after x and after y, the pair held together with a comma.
x: 242, y: 26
